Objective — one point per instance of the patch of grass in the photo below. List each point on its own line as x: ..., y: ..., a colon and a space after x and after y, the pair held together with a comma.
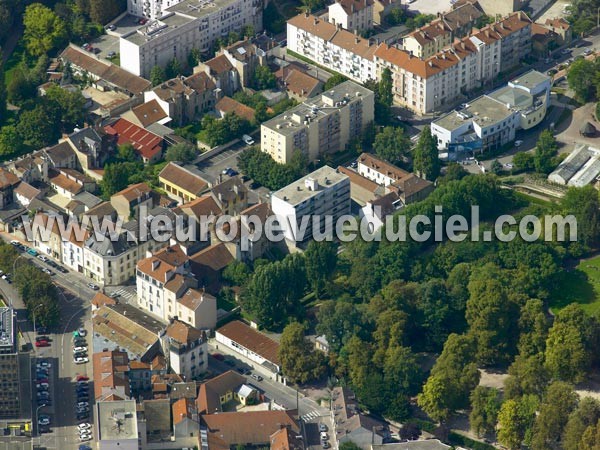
x: 18, y: 55
x: 580, y: 285
x: 531, y: 199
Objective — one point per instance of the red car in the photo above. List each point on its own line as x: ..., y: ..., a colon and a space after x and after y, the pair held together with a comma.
x: 218, y: 356
x: 42, y: 380
x: 82, y: 378
x: 42, y: 344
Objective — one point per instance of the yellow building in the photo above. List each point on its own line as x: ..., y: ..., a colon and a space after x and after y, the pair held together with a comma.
x: 181, y: 184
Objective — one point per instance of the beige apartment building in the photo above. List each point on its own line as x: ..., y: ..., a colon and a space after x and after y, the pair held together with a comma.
x: 323, y: 124
x: 352, y: 15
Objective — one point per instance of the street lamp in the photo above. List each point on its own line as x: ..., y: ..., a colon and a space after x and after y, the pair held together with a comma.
x: 33, y: 312
x: 37, y: 425
x: 14, y: 269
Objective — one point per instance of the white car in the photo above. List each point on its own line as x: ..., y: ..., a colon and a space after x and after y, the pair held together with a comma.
x: 42, y: 386
x: 80, y: 360
x: 84, y: 426
x: 44, y: 364
x: 518, y: 143
x: 79, y: 349
x: 44, y: 420
x: 82, y: 404
x: 85, y: 437
x: 508, y: 165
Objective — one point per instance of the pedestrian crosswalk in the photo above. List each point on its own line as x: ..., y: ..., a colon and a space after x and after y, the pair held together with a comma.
x: 310, y: 416
x: 125, y: 293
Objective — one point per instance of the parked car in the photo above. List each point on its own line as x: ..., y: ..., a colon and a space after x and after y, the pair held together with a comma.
x: 42, y: 344
x: 43, y: 363
x: 111, y: 54
x: 42, y: 330
x: 256, y: 377
x: 323, y: 427
x: 324, y: 436
x: 111, y: 27
x: 82, y: 332
x: 218, y: 356
x: 82, y: 416
x: 42, y: 338
x: 47, y: 271
x: 93, y: 286
x: 84, y: 426
x: 44, y: 420
x: 80, y: 360
x: 325, y: 444
x: 83, y: 404
x: 42, y: 258
x: 82, y: 378
x: 254, y: 185
x: 43, y: 386
x: 79, y: 349
x: 248, y: 140
x: 518, y: 143
x: 588, y: 51
x: 85, y: 447
x: 41, y: 379
x: 32, y: 252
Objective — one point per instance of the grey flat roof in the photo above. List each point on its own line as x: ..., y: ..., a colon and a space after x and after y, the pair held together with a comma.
x: 317, y: 107
x: 297, y: 192
x: 515, y: 97
x: 530, y: 79
x: 163, y: 26
x: 484, y: 110
x: 7, y: 337
x: 200, y: 8
x: 117, y: 420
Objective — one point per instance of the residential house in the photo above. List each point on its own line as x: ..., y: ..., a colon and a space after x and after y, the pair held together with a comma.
x: 72, y: 252
x: 323, y: 124
x: 111, y: 381
x: 222, y: 73
x: 61, y: 155
x: 47, y: 239
x: 227, y: 105
x: 332, y: 47
x: 352, y: 15
x: 562, y: 28
x: 251, y: 344
x: 362, y: 190
x: 253, y: 428
x: 181, y: 183
x: 208, y: 264
x: 198, y: 308
x: 322, y: 344
x: 231, y: 196
x: 381, y: 8
x: 92, y: 147
x: 147, y: 145
x: 227, y: 387
x: 286, y: 439
x: 129, y: 202
x: 245, y: 57
x: 8, y: 183
x: 298, y: 84
x: 31, y: 168
x: 185, y: 418
x: 543, y: 40
x: 352, y: 425
x: 146, y: 114
x: 186, y: 348
x: 25, y: 193
x: 184, y: 99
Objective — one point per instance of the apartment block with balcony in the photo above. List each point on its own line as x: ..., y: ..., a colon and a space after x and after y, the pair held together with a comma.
x: 187, y: 349
x: 10, y: 395
x: 184, y: 25
x: 320, y: 125
x: 331, y: 46
x: 322, y: 192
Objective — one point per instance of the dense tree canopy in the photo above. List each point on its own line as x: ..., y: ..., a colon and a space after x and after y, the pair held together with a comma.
x: 391, y: 144
x: 181, y: 152
x: 426, y: 161
x: 300, y: 362
x: 44, y: 30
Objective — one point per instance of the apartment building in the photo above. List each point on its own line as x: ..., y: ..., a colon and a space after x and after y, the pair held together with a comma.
x: 352, y: 15
x: 183, y: 26
x: 181, y: 184
x: 129, y: 202
x: 492, y: 120
x: 10, y: 394
x: 186, y: 348
x: 332, y: 47
x: 441, y: 32
x: 322, y: 192
x: 320, y: 125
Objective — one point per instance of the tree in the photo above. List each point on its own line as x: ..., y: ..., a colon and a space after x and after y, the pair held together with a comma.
x: 320, y: 262
x: 584, y: 204
x: 453, y: 172
x: 263, y: 78
x: 103, y: 11
x: 426, y: 161
x: 173, y: 69
x: 391, y: 144
x: 38, y: 127
x: 237, y: 273
x: 3, y: 93
x: 20, y: 87
x: 8, y: 255
x: 385, y: 88
x: 586, y: 415
x: 527, y: 375
x: 349, y: 445
x: 485, y: 404
x: 515, y: 420
x: 10, y: 141
x: 491, y: 318
x: 44, y: 30
x: 579, y: 79
x: 126, y: 153
x: 338, y: 321
x: 181, y: 152
x: 116, y: 177
x: 523, y: 161
x: 273, y: 293
x: 157, y: 75
x: 333, y: 81
x: 69, y: 106
x: 496, y: 167
x: 560, y: 400
x: 194, y: 57
x: 410, y: 431
x: 533, y: 327
x: 545, y: 150
x: 570, y: 344
x: 452, y: 379
x: 300, y: 362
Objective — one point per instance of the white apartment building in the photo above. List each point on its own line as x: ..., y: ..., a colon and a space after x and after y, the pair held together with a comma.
x: 492, y: 120
x: 183, y: 26
x: 332, y: 46
x: 320, y: 125
x: 72, y: 254
x: 186, y: 348
x: 165, y: 289
x: 322, y: 192
x: 352, y: 15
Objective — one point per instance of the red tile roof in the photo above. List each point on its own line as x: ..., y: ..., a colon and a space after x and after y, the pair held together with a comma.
x: 228, y: 105
x: 147, y: 144
x: 252, y: 339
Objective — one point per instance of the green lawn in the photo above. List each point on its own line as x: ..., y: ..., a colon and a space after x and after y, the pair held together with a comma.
x: 581, y: 285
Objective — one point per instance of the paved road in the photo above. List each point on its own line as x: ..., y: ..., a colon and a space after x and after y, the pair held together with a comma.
x: 75, y: 312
